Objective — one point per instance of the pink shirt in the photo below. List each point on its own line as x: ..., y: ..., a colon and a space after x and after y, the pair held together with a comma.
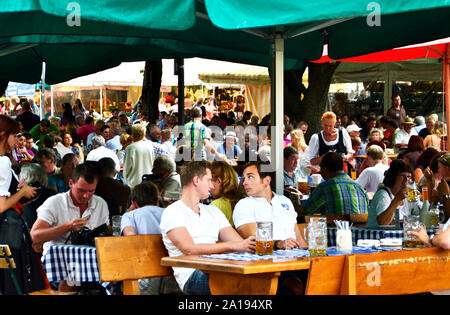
x: 84, y: 131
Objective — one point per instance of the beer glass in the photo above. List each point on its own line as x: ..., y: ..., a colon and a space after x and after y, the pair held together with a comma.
x: 411, y: 223
x: 303, y: 187
x: 264, y: 238
x: 317, y: 236
x: 115, y: 222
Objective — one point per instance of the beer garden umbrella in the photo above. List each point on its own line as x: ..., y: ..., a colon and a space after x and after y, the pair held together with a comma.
x: 91, y: 36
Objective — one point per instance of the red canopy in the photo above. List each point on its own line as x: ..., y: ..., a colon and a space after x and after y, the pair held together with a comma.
x: 434, y: 49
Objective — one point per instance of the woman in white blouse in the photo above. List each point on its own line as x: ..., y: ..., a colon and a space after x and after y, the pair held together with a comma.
x: 12, y: 225
x: 9, y: 195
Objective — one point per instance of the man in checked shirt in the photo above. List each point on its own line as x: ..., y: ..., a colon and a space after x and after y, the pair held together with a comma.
x: 339, y: 194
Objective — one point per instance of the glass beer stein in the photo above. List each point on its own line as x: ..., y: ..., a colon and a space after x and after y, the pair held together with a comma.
x: 264, y: 238
x: 317, y: 236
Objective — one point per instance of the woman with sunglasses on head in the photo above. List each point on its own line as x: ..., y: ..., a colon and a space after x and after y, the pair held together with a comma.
x: 14, y: 231
x: 390, y: 195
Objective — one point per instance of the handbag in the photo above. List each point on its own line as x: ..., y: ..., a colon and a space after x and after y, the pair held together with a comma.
x: 11, y: 229
x: 86, y: 236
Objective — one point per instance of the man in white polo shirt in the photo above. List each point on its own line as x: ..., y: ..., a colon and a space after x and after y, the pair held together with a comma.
x: 262, y: 204
x: 191, y: 228
x: 63, y: 213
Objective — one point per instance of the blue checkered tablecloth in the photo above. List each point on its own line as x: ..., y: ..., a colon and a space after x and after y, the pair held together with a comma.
x: 73, y: 263
x: 294, y: 253
x: 362, y: 233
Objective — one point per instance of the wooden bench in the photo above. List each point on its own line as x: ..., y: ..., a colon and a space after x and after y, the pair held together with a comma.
x: 129, y: 258
x: 384, y: 273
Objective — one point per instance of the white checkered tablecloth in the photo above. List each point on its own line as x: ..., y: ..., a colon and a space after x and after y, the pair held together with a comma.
x: 73, y: 263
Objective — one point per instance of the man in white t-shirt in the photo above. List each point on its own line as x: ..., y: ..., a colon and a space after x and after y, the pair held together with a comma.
x: 191, y: 228
x: 373, y: 176
x: 263, y: 205
x: 63, y: 213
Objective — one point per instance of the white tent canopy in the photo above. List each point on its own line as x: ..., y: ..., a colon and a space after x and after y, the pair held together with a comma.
x: 132, y: 73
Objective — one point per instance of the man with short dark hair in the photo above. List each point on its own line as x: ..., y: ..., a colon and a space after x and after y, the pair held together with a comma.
x: 41, y: 130
x: 72, y: 210
x: 144, y: 214
x: 397, y: 111
x: 112, y: 191
x: 63, y: 213
x: 191, y: 228
x: 85, y: 130
x: 27, y: 118
x: 263, y: 205
x: 339, y: 194
x: 292, y: 172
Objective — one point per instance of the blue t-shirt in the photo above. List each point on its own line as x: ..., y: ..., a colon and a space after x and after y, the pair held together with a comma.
x: 145, y: 220
x: 56, y: 181
x: 235, y: 152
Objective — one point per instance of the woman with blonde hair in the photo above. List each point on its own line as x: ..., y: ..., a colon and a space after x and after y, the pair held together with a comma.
x: 434, y: 139
x: 298, y: 140
x: 226, y: 191
x: 125, y: 140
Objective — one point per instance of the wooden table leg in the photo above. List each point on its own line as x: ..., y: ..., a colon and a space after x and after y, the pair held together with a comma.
x: 222, y: 283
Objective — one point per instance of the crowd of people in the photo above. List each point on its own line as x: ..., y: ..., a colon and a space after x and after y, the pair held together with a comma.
x: 206, y: 181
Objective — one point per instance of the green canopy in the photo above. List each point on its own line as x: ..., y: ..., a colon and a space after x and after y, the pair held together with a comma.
x: 112, y: 31
x: 85, y: 36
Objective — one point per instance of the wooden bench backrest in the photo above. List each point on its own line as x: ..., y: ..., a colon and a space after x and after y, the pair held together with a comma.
x: 5, y: 253
x: 129, y: 258
x: 402, y: 272
x: 325, y: 274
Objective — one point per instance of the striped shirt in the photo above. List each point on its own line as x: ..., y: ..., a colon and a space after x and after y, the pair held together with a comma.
x: 338, y: 195
x: 195, y: 133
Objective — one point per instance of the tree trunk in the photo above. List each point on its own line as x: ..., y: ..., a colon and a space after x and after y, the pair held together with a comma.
x: 314, y: 102
x: 151, y: 88
x: 3, y: 86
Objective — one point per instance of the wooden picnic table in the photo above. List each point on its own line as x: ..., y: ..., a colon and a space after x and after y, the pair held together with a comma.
x: 240, y: 277
x: 398, y: 272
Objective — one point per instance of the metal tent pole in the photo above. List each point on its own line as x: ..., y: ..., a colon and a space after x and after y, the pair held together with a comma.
x: 277, y: 110
x: 42, y: 105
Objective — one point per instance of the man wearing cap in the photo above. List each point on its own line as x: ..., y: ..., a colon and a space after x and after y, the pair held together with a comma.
x: 230, y: 147
x: 99, y: 151
x: 402, y: 136
x: 353, y: 131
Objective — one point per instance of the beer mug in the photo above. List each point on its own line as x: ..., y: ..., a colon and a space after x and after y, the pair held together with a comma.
x: 303, y: 187
x: 264, y: 238
x: 317, y: 236
x: 411, y: 223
